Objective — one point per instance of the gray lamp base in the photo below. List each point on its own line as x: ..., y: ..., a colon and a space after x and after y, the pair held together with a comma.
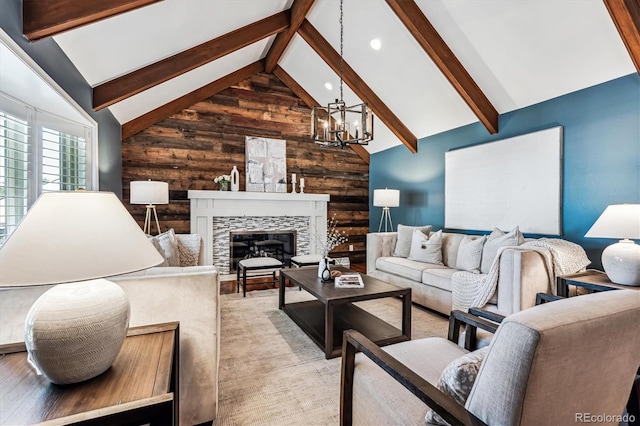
x: 621, y: 262
x: 74, y: 332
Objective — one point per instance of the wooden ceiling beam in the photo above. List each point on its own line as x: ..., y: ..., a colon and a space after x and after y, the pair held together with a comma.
x: 46, y: 18
x: 152, y: 117
x: 299, y: 10
x: 428, y: 38
x: 311, y: 102
x: 144, y: 78
x: 324, y: 49
x: 626, y: 16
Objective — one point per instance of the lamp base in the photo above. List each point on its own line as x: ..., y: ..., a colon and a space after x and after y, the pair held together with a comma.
x: 74, y: 332
x: 621, y: 262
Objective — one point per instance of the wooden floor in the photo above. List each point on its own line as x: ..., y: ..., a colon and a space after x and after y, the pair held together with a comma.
x: 229, y: 286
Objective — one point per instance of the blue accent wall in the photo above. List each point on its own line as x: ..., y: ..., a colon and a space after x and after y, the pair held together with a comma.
x: 601, y: 159
x: 48, y: 55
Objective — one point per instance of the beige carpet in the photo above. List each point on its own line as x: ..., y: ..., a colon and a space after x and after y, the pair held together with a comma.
x: 271, y: 373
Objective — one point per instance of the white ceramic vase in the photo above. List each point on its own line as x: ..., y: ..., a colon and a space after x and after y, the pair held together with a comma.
x: 235, y: 180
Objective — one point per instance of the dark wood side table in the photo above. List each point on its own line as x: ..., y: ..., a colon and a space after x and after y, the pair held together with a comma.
x: 591, y: 280
x: 140, y: 387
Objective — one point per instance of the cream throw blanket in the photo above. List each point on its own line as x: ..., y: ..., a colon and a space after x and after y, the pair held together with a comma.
x: 561, y: 257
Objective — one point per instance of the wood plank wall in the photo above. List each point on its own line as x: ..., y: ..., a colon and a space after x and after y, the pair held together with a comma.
x: 191, y: 148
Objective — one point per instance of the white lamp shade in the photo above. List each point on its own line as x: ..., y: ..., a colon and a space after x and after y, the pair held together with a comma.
x: 618, y: 221
x: 149, y: 192
x: 74, y: 236
x: 386, y: 197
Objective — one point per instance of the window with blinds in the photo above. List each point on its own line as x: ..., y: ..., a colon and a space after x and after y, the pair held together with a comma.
x: 38, y: 152
x: 15, y: 165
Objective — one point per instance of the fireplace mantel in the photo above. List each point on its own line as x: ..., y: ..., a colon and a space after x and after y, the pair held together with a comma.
x: 208, y: 205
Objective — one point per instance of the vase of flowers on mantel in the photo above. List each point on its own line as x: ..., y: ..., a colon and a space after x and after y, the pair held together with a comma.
x: 223, y: 182
x: 334, y: 239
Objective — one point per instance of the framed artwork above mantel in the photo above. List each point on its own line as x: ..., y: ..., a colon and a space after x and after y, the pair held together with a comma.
x: 266, y: 164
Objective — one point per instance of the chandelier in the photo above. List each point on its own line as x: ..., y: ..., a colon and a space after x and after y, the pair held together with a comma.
x: 338, y: 124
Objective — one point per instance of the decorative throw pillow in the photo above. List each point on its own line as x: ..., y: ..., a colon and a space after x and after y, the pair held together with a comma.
x: 158, y: 247
x: 169, y: 245
x: 456, y: 380
x: 405, y: 236
x: 189, y: 249
x: 495, y: 241
x: 426, y: 249
x: 470, y: 254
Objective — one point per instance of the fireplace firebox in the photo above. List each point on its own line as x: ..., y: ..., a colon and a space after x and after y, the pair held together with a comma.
x: 280, y: 245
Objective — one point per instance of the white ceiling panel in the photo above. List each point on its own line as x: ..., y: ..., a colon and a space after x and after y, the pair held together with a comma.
x: 524, y: 52
x: 116, y: 46
x: 166, y: 92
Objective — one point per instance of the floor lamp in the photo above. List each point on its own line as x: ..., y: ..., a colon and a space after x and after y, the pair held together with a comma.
x: 150, y: 193
x: 386, y: 198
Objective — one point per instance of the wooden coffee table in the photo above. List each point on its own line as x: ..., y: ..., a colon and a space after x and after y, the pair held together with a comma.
x: 333, y: 311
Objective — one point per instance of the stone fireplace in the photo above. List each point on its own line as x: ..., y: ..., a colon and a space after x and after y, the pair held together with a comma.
x: 215, y: 214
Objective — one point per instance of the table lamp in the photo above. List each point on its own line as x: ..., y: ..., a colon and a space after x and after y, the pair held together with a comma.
x: 150, y: 193
x: 621, y: 261
x: 386, y: 198
x: 75, y: 330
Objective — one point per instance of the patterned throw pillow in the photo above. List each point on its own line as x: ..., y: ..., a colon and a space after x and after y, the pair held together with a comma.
x: 495, y: 241
x: 457, y: 379
x: 426, y: 249
x: 158, y: 247
x: 189, y: 249
x: 169, y: 245
x: 470, y: 254
x: 405, y: 236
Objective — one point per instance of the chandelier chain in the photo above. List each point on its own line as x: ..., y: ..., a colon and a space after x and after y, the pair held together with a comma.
x: 341, y: 50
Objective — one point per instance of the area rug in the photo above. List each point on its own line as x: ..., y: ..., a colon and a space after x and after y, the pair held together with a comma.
x: 271, y: 373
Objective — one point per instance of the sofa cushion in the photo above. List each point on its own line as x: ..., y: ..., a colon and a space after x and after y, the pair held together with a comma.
x: 405, y: 236
x: 457, y: 379
x: 426, y: 249
x: 402, y: 267
x: 158, y: 247
x: 495, y: 241
x: 438, y: 277
x: 470, y: 254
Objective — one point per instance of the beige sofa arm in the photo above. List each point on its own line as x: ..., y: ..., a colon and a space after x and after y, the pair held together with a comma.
x: 379, y: 244
x: 523, y: 273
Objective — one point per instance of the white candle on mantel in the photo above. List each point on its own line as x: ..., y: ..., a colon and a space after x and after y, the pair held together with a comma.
x: 293, y: 177
x: 301, y: 181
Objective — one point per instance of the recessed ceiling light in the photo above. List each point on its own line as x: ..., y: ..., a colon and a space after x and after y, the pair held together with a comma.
x: 375, y: 44
x: 328, y: 86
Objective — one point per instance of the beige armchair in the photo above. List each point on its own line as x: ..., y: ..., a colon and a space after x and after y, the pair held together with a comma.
x: 557, y: 363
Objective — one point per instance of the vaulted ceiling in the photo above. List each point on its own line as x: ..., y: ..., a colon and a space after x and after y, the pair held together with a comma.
x: 442, y: 63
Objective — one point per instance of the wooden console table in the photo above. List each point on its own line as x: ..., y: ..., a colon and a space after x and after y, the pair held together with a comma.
x: 140, y: 387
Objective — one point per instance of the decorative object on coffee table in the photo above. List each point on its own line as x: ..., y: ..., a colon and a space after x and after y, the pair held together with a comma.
x: 621, y: 261
x: 333, y: 239
x: 74, y: 331
x: 150, y: 193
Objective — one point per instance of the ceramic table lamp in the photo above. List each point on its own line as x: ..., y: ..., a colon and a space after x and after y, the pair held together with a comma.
x: 75, y: 330
x: 621, y: 261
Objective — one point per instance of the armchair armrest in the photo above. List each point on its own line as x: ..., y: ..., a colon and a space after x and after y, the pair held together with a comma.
x: 441, y: 403
x: 474, y: 319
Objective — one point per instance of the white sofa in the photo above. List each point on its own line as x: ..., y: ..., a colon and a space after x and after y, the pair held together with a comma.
x: 523, y: 273
x: 161, y: 294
